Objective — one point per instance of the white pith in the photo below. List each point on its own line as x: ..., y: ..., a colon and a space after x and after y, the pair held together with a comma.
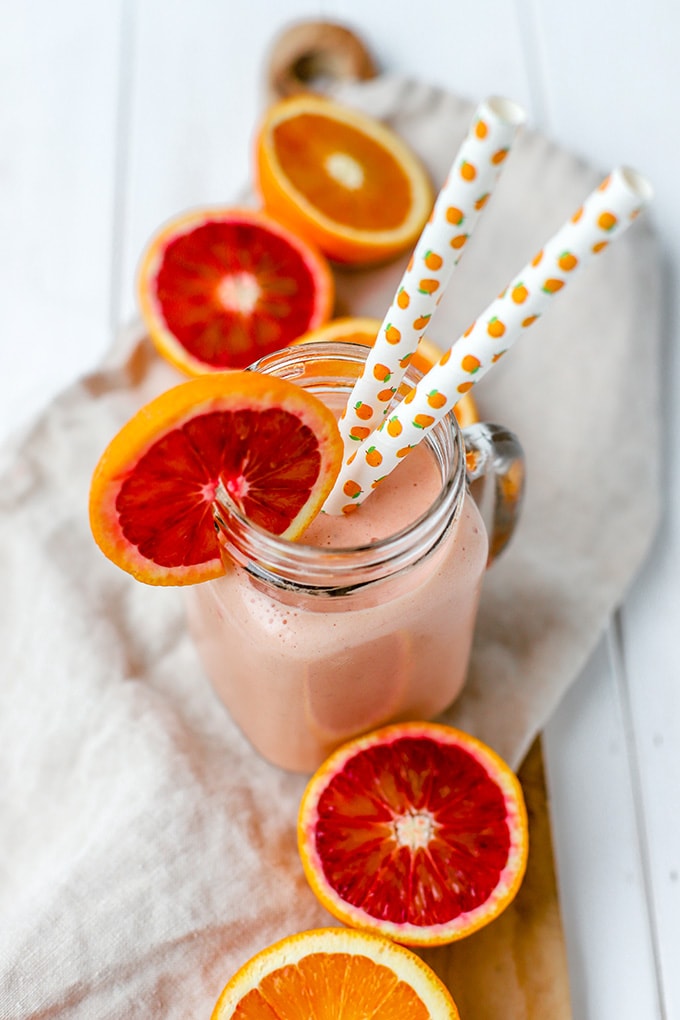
x: 345, y: 170
x: 239, y: 292
x: 414, y: 829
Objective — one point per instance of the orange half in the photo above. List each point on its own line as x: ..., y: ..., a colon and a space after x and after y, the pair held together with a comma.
x: 364, y: 330
x: 341, y: 179
x: 335, y: 974
x: 274, y: 446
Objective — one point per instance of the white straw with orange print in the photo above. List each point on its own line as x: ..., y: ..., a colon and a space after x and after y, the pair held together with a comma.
x: 473, y: 174
x: 604, y: 216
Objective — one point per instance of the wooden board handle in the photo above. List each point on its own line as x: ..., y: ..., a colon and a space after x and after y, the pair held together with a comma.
x: 308, y: 56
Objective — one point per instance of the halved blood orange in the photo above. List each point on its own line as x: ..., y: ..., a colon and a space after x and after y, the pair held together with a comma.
x: 220, y: 288
x: 342, y: 179
x: 274, y: 446
x: 416, y: 831
x: 364, y: 330
x: 335, y: 973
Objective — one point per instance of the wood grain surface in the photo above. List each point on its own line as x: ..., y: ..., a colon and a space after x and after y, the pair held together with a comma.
x: 516, y: 967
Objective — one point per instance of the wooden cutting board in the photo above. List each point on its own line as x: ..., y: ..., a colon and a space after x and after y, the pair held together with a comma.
x: 516, y: 968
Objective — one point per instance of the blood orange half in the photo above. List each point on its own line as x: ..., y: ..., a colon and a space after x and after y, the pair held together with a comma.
x: 220, y: 288
x: 416, y: 831
x: 335, y: 973
x: 274, y: 446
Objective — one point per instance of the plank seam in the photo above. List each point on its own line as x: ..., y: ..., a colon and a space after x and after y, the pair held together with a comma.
x: 126, y: 64
x: 615, y: 644
x: 533, y: 49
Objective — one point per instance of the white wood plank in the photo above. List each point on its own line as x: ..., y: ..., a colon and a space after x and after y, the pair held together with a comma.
x: 619, y: 108
x: 653, y: 702
x: 597, y: 848
x: 196, y: 73
x: 473, y: 51
x: 59, y: 82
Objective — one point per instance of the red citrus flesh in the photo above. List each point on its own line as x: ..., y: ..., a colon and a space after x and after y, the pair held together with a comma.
x: 274, y: 446
x: 219, y: 289
x: 417, y: 831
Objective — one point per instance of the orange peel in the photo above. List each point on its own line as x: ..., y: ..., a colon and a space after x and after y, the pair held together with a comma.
x: 335, y: 972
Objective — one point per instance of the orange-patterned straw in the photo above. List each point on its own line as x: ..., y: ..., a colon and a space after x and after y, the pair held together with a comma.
x: 604, y: 216
x: 471, y: 179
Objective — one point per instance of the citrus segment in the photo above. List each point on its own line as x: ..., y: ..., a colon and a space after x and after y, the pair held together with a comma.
x: 341, y: 179
x: 220, y: 288
x: 335, y: 974
x: 275, y: 448
x: 416, y: 831
x: 364, y: 330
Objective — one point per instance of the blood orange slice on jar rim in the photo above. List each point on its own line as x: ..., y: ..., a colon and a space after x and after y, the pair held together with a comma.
x: 416, y: 831
x: 220, y: 288
x: 274, y: 446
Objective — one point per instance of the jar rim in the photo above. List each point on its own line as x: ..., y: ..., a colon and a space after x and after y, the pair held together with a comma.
x: 286, y: 557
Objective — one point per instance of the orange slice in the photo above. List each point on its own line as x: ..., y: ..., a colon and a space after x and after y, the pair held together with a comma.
x: 220, y: 288
x: 363, y: 330
x: 341, y: 179
x: 335, y: 973
x: 275, y: 447
x: 416, y: 831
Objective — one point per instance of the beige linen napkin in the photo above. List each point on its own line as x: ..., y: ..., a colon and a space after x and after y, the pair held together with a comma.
x: 580, y: 389
x: 146, y: 850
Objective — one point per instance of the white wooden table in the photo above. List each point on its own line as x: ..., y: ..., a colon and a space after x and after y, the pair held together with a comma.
x: 116, y: 115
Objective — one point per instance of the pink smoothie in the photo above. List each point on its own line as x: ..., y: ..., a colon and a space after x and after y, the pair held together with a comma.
x: 301, y: 676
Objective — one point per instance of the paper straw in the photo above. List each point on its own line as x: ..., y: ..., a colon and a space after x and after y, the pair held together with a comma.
x: 604, y: 216
x: 471, y: 179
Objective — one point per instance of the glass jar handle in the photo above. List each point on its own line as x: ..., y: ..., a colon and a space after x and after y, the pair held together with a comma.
x: 495, y: 469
